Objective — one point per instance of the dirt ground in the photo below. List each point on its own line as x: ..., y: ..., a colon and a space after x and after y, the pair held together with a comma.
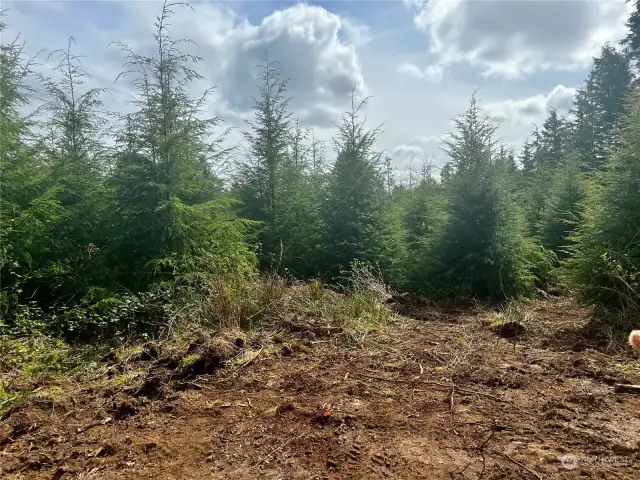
x: 437, y: 396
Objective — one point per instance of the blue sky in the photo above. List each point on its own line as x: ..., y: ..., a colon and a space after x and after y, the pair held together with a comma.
x: 419, y: 59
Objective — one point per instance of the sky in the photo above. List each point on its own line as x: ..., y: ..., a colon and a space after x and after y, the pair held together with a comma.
x: 418, y: 60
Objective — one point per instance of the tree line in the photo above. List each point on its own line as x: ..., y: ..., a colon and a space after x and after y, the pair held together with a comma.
x: 104, y: 215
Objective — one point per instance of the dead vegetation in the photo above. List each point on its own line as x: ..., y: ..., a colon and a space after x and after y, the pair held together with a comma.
x: 329, y: 386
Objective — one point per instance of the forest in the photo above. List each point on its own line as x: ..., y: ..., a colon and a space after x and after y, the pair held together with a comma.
x: 111, y: 223
x: 173, y: 305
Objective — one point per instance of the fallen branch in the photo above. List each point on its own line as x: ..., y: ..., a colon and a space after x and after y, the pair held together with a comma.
x: 624, y: 388
x: 515, y: 462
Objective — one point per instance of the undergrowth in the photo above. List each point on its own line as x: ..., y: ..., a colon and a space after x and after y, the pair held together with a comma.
x: 197, y: 332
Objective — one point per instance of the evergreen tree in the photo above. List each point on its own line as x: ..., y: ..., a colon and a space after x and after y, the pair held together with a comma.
x: 296, y: 224
x: 170, y: 219
x: 599, y: 107
x: 483, y: 251
x: 424, y: 221
x: 268, y: 142
x: 551, y: 142
x: 75, y: 152
x: 355, y: 203
x: 563, y: 211
x: 29, y: 211
x: 606, y: 268
x: 631, y: 42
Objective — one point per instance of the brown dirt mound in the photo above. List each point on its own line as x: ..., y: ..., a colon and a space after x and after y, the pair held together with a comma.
x: 420, y: 400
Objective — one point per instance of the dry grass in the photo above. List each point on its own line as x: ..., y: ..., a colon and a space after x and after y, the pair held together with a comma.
x: 229, y: 326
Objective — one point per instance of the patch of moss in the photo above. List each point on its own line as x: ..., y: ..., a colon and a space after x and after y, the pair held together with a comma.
x: 190, y: 359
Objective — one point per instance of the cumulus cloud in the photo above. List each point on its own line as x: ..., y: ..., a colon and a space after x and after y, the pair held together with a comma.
x: 430, y: 73
x: 516, y: 38
x: 313, y: 47
x: 534, y: 109
x: 305, y: 41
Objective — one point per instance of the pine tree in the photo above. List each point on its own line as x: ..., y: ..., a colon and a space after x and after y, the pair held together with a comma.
x: 268, y: 142
x: 74, y: 150
x: 631, y: 42
x: 599, y: 107
x: 170, y: 218
x: 551, y: 144
x: 29, y: 211
x: 482, y: 251
x: 563, y: 210
x: 424, y: 220
x: 296, y: 223
x: 606, y: 268
x: 355, y: 203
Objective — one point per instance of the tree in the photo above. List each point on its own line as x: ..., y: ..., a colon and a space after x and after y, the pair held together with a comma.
x: 74, y: 150
x: 563, y: 213
x: 482, y: 251
x: 472, y: 144
x: 424, y: 221
x: 170, y: 219
x: 606, y: 267
x: 631, y: 42
x: 551, y: 142
x: 355, y: 203
x: 268, y: 142
x: 29, y: 211
x: 599, y: 107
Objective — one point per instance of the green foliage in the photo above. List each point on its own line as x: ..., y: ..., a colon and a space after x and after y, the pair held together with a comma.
x: 600, y: 106
x: 355, y: 200
x: 424, y: 221
x: 99, y: 243
x: 631, y: 42
x: 482, y: 251
x: 606, y: 268
x: 562, y: 213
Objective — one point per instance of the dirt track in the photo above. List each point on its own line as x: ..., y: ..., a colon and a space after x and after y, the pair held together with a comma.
x: 433, y: 398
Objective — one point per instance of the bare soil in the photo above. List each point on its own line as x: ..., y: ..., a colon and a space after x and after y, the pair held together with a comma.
x: 437, y: 396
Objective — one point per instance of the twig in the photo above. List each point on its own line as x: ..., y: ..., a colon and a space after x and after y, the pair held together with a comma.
x: 452, y: 407
x: 483, y: 444
x: 249, y: 361
x: 2, y: 404
x: 621, y: 388
x: 277, y: 449
x: 463, y: 391
x: 533, y: 472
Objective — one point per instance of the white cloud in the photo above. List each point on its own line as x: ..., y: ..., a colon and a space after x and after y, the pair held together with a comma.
x: 418, y: 149
x: 515, y: 38
x: 534, y: 109
x: 305, y: 41
x: 430, y: 73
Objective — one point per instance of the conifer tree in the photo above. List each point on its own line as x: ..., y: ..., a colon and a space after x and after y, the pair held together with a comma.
x: 606, y: 268
x: 482, y: 251
x: 295, y: 225
x: 599, y: 107
x: 74, y: 149
x: 424, y: 221
x: 631, y: 42
x: 268, y: 142
x: 562, y: 214
x: 171, y: 220
x: 355, y: 203
x: 29, y: 211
